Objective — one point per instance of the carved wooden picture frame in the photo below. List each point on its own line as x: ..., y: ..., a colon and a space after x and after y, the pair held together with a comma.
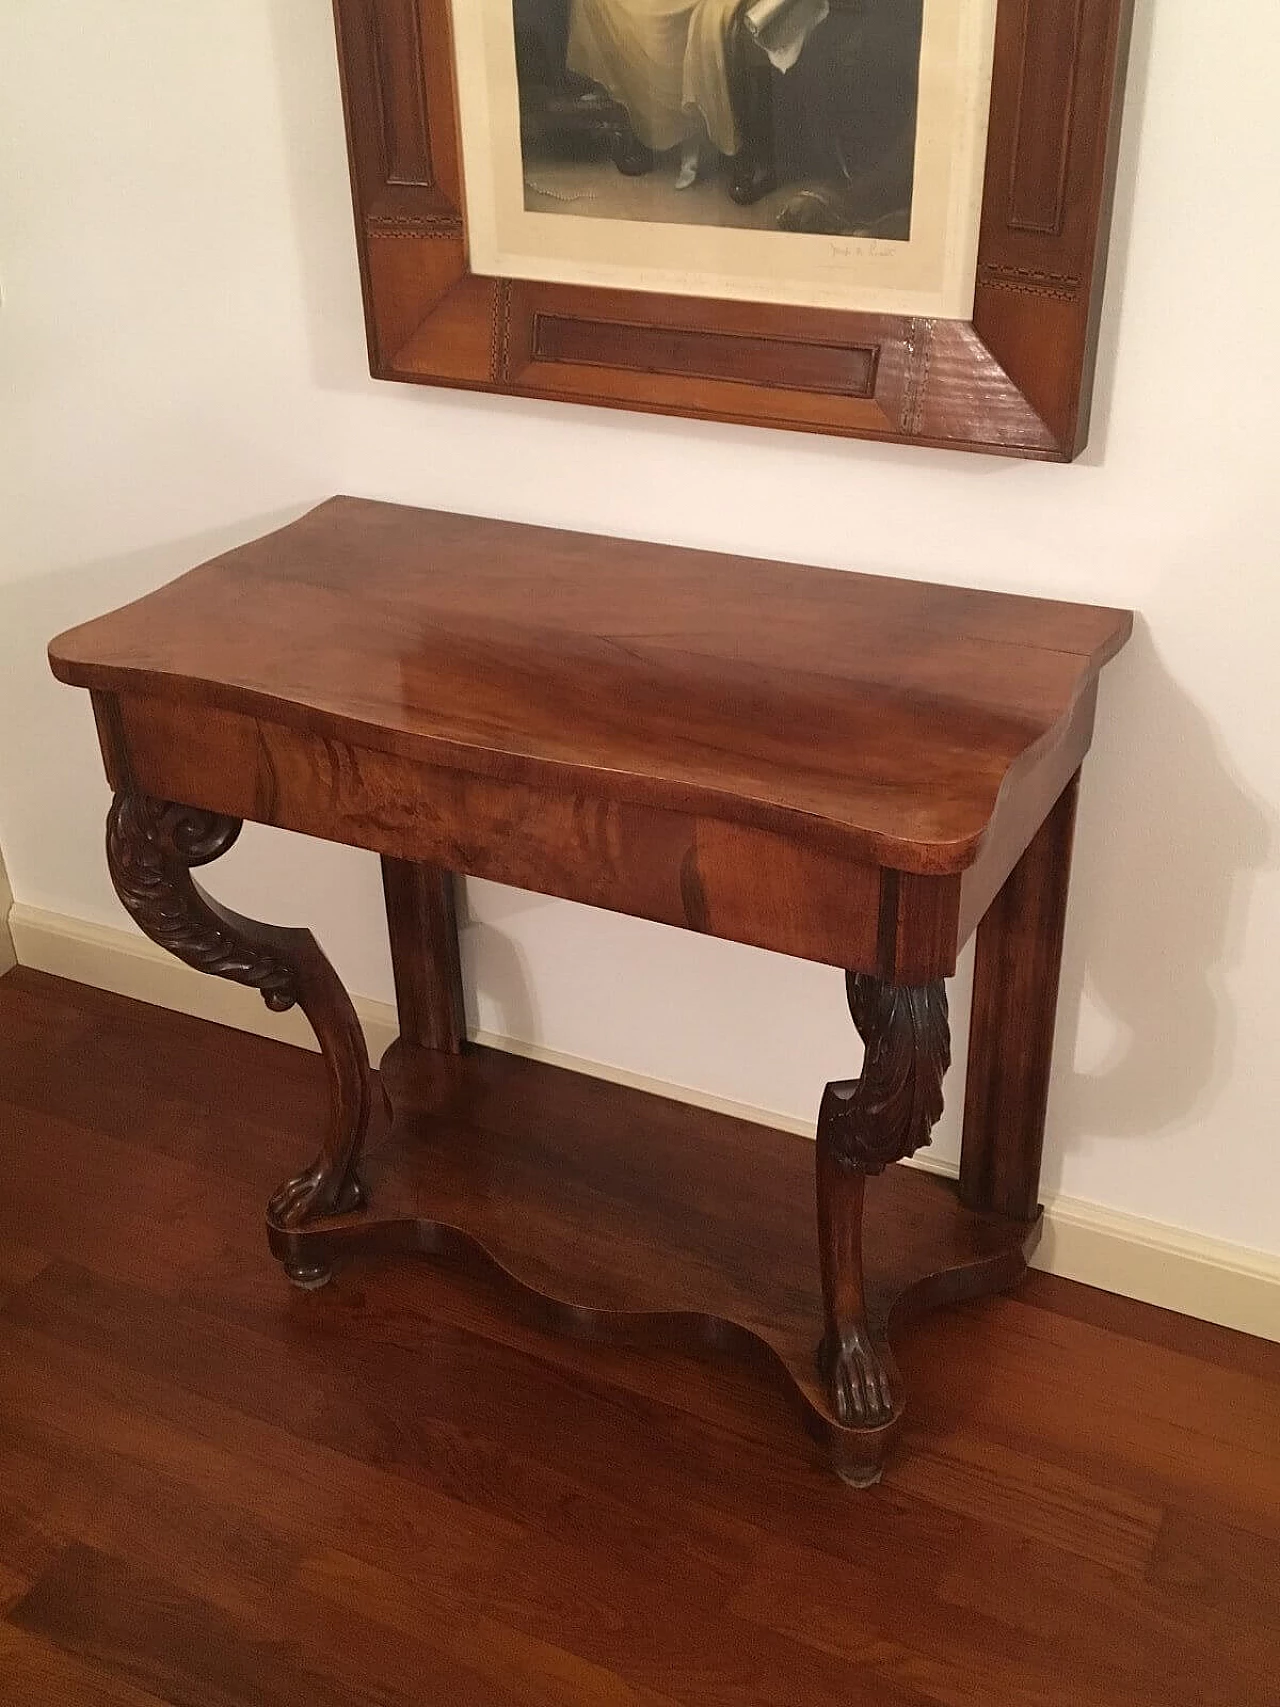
x: 1015, y: 379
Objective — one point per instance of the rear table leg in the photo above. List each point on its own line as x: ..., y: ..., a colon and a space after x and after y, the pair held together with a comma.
x: 1015, y: 1001
x: 423, y: 928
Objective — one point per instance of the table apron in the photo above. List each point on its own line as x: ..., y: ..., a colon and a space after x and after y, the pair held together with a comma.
x: 700, y: 873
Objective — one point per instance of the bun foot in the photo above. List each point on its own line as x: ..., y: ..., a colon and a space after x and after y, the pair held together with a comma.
x: 307, y: 1273
x: 859, y: 1476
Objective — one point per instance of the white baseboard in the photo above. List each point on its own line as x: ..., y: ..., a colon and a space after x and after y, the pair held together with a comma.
x: 8, y: 954
x: 1127, y: 1254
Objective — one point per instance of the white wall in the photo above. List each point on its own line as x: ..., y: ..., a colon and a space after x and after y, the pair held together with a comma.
x: 182, y: 365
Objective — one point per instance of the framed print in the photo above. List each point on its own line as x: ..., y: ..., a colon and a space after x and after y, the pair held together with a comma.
x: 706, y: 147
x: 876, y: 218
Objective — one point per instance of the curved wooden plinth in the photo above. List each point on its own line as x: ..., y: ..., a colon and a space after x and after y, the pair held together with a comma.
x: 623, y: 1218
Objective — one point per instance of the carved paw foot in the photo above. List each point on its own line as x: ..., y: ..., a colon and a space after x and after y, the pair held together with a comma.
x: 312, y: 1195
x: 859, y: 1382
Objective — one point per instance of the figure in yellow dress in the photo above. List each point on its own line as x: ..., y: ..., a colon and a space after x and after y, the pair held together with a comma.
x: 666, y: 61
x: 671, y: 64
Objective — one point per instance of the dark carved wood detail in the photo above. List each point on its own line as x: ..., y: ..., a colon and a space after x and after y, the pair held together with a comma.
x: 787, y: 363
x: 891, y: 1110
x: 1042, y: 132
x: 152, y: 846
x: 857, y: 1371
x: 864, y: 1125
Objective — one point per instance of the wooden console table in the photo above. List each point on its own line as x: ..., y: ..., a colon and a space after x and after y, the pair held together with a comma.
x: 854, y: 770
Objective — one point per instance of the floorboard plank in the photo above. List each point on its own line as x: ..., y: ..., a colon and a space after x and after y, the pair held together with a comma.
x: 37, y: 1674
x: 161, y: 1638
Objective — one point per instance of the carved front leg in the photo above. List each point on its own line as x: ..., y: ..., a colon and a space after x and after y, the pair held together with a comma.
x: 152, y: 847
x: 865, y: 1124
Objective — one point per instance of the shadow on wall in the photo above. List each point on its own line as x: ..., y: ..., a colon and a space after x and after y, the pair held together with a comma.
x: 496, y: 964
x: 1167, y: 844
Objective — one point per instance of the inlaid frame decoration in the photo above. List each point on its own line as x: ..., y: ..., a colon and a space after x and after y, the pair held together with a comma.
x: 929, y: 271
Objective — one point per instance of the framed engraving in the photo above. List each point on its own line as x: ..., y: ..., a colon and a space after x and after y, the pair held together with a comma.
x: 876, y: 218
x: 785, y: 151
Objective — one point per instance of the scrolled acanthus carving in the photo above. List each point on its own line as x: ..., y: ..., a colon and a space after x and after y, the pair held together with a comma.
x: 891, y: 1110
x: 151, y: 847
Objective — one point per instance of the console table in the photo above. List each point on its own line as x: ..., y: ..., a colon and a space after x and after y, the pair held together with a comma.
x: 855, y: 770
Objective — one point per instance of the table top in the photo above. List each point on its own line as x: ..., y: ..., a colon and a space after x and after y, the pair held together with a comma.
x: 891, y: 711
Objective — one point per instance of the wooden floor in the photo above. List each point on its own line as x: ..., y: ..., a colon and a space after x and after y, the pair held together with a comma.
x: 217, y: 1490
